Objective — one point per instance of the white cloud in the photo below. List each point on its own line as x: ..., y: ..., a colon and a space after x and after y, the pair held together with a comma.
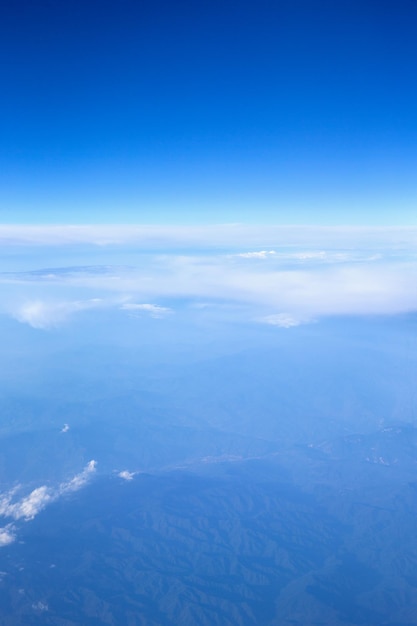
x: 79, y: 480
x: 263, y: 254
x: 153, y: 309
x: 29, y: 506
x: 40, y: 606
x: 39, y: 315
x: 283, y: 320
x: 310, y: 273
x: 32, y: 504
x: 7, y: 535
x: 44, y: 314
x: 156, y: 237
x: 126, y: 475
x: 303, y: 292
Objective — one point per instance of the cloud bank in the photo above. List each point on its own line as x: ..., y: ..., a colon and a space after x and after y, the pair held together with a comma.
x: 290, y: 275
x: 159, y: 237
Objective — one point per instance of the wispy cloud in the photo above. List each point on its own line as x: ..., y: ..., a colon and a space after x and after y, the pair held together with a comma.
x: 156, y: 237
x: 49, y: 314
x: 283, y: 320
x: 29, y: 506
x: 262, y: 254
x: 153, y: 309
x: 79, y: 480
x: 40, y: 606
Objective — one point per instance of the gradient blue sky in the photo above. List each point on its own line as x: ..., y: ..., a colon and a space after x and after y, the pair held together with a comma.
x: 208, y: 112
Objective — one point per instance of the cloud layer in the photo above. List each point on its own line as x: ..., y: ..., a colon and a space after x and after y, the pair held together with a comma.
x: 305, y: 275
x: 156, y: 237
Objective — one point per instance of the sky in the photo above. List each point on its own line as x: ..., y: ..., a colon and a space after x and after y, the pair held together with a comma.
x: 186, y: 112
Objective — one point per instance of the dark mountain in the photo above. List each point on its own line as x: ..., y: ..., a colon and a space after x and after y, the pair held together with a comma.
x: 294, y: 540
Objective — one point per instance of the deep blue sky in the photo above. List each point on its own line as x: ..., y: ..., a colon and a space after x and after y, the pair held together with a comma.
x: 162, y: 111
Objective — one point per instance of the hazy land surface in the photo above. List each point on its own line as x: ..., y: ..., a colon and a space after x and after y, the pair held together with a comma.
x: 271, y: 476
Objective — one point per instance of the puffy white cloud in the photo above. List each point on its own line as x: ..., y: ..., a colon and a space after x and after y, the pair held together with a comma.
x: 7, y: 535
x: 126, y: 475
x: 29, y: 506
x: 32, y: 504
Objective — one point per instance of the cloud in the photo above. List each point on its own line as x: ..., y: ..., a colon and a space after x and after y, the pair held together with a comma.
x: 312, y: 290
x: 157, y: 237
x: 50, y: 314
x: 7, y: 535
x: 263, y: 254
x: 283, y: 320
x: 40, y: 606
x: 126, y: 475
x: 55, y: 274
x: 153, y: 309
x: 29, y: 506
x: 79, y: 480
x: 39, y: 315
x: 310, y: 273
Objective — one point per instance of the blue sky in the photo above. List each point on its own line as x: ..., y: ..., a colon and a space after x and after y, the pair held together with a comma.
x: 208, y: 112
